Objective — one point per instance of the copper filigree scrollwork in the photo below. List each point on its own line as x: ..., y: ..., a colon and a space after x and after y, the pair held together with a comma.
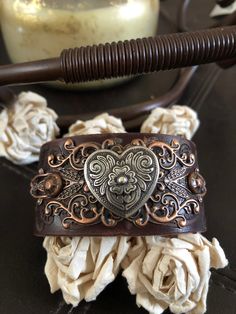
x: 144, y: 181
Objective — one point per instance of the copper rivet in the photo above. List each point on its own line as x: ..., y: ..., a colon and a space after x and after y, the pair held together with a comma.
x: 48, y: 184
x: 53, y: 184
x: 86, y: 189
x: 196, y: 183
x: 182, y: 223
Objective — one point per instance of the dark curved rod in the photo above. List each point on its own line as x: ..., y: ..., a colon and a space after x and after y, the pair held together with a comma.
x: 133, y: 115
x: 131, y: 57
x: 182, y: 16
x: 224, y: 3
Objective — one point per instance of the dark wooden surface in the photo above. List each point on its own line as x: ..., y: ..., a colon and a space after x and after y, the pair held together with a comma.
x: 23, y: 286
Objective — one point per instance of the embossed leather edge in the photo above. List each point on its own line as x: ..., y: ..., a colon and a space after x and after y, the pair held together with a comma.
x: 119, y: 184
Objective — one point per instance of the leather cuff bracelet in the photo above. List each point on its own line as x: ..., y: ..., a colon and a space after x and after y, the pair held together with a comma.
x: 119, y: 184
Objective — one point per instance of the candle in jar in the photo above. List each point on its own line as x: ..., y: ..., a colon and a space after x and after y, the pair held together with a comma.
x: 35, y: 30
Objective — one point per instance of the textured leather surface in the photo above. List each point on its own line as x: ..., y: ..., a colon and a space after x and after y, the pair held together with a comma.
x: 23, y: 286
x: 52, y: 224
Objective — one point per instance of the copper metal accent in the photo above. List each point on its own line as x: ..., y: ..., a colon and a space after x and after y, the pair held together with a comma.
x: 118, y: 184
x: 46, y: 185
x: 197, y: 183
x: 131, y: 57
x: 53, y: 184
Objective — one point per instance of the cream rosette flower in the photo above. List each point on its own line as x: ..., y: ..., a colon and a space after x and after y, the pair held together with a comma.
x: 162, y: 271
x: 25, y: 127
x: 177, y: 120
x: 103, y: 123
x: 172, y: 272
x: 83, y: 266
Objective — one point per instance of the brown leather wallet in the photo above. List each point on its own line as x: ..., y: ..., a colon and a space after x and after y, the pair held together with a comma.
x: 119, y: 184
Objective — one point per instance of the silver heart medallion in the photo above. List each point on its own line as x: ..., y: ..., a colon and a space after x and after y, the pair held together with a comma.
x: 123, y: 182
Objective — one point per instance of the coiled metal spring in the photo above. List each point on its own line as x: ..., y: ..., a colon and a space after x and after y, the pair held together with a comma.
x: 148, y: 54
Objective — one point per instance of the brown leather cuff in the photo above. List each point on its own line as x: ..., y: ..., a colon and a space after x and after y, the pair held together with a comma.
x: 118, y: 184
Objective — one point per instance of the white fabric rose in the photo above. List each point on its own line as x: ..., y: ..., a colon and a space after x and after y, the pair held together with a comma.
x: 25, y: 127
x: 3, y: 127
x: 177, y: 120
x: 219, y: 11
x: 83, y: 266
x: 162, y: 272
x: 172, y: 272
x: 103, y: 123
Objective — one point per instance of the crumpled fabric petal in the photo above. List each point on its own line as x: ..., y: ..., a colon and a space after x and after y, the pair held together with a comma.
x: 83, y: 266
x: 176, y: 120
x: 25, y: 127
x: 103, y: 123
x: 172, y: 272
x: 161, y: 271
x: 219, y: 11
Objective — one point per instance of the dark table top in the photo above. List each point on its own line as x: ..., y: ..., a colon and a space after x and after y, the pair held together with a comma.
x: 23, y: 286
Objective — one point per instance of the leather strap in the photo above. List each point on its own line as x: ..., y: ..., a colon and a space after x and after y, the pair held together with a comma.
x: 119, y: 184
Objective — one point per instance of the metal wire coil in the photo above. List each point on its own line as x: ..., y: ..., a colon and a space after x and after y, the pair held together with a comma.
x: 148, y: 54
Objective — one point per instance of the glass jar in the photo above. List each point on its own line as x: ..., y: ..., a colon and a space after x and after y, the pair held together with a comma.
x: 41, y: 29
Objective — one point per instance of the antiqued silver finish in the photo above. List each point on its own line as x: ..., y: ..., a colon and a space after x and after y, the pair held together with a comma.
x: 123, y: 182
